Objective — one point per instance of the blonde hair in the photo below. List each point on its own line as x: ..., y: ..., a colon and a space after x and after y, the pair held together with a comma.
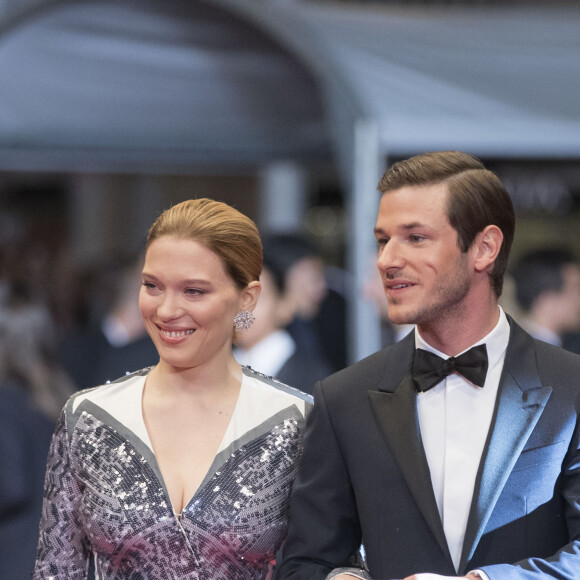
x: 231, y: 235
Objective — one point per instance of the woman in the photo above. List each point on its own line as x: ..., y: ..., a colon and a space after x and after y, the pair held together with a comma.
x: 182, y: 470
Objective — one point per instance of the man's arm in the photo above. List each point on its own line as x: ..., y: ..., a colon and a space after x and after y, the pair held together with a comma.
x: 324, y: 529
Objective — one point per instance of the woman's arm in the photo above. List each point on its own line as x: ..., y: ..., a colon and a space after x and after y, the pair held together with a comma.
x: 63, y: 550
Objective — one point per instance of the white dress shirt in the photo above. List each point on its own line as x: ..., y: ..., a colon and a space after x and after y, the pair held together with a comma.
x: 459, y: 414
x: 269, y: 355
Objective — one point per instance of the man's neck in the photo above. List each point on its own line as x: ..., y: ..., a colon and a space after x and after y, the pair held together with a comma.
x: 454, y: 335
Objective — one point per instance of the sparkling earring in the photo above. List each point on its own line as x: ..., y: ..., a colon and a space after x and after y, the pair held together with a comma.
x: 243, y: 320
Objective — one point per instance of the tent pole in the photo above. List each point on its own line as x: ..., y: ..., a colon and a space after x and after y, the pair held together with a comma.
x: 364, y: 322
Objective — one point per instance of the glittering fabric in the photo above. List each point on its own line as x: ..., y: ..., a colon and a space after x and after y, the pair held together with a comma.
x: 104, y: 498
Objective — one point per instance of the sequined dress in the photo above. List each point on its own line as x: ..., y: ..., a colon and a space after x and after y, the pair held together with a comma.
x: 105, y: 497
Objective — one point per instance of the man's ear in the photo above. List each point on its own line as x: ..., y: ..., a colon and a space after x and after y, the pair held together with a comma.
x: 250, y: 296
x: 486, y: 247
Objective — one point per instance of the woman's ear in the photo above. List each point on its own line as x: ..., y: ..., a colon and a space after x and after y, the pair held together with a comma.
x: 250, y: 296
x: 487, y: 245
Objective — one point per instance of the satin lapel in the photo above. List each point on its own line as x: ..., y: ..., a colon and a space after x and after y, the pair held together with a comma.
x: 395, y: 410
x: 520, y: 403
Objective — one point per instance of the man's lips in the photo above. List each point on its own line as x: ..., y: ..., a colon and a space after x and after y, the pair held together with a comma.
x: 398, y: 285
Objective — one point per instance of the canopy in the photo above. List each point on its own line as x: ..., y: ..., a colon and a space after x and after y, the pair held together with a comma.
x: 235, y: 81
x: 149, y: 86
x: 145, y: 85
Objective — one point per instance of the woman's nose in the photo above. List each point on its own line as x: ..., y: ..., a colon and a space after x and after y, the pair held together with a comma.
x: 168, y: 306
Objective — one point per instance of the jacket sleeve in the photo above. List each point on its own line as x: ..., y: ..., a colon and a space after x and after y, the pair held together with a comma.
x: 324, y: 531
x: 63, y: 548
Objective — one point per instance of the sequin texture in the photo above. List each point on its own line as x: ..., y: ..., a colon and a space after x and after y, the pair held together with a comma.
x: 105, y: 498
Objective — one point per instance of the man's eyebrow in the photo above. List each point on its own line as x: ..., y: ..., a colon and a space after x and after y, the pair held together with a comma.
x: 409, y: 226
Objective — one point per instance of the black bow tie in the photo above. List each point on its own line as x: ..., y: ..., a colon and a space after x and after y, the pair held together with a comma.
x: 430, y: 369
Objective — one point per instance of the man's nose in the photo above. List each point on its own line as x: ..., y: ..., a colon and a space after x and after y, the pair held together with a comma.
x: 390, y: 256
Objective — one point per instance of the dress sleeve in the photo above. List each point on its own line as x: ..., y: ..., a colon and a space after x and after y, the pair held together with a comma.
x: 63, y: 548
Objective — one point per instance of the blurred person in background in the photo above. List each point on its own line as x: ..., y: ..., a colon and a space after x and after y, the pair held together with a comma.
x: 182, y: 470
x: 374, y: 292
x: 267, y: 347
x: 114, y: 342
x: 305, y: 288
x: 33, y: 388
x: 547, y: 290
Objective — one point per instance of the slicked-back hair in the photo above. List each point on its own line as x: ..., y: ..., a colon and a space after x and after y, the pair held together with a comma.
x: 476, y: 198
x: 231, y: 235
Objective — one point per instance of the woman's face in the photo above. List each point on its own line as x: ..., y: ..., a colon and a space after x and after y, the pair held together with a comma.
x: 188, y: 302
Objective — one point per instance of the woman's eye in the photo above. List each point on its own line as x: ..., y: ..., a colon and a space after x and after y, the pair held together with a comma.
x: 193, y: 291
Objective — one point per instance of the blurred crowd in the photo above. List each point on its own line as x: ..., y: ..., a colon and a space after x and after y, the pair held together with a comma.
x: 65, y: 326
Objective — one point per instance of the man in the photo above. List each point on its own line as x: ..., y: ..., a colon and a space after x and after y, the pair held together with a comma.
x: 470, y: 469
x: 547, y: 283
x: 302, y: 276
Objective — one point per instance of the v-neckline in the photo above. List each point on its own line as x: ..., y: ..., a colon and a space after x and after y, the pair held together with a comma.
x: 211, y: 470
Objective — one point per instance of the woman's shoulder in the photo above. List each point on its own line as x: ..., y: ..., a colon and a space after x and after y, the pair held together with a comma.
x: 275, y: 387
x: 116, y: 404
x: 111, y: 393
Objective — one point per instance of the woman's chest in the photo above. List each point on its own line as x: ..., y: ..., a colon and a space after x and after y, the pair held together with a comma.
x: 238, y: 514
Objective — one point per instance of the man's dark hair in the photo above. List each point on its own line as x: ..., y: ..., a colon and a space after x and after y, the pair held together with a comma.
x: 539, y: 271
x: 282, y: 251
x: 476, y: 199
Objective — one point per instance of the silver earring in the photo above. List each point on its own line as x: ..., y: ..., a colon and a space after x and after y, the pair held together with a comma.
x: 243, y: 320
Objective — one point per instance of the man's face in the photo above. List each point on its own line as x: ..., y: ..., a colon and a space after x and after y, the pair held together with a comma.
x: 306, y: 286
x: 568, y: 300
x: 425, y: 275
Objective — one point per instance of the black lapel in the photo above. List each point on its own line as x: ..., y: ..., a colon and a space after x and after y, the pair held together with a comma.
x: 395, y: 408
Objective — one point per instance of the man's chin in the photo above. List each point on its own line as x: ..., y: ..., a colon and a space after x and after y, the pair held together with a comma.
x: 400, y: 318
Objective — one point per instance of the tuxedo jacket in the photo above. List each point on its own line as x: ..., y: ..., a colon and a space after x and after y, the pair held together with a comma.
x: 364, y: 476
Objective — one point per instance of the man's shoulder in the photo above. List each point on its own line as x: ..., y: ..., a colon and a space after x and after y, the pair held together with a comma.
x: 390, y: 363
x: 529, y: 357
x: 545, y: 351
x: 556, y: 359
